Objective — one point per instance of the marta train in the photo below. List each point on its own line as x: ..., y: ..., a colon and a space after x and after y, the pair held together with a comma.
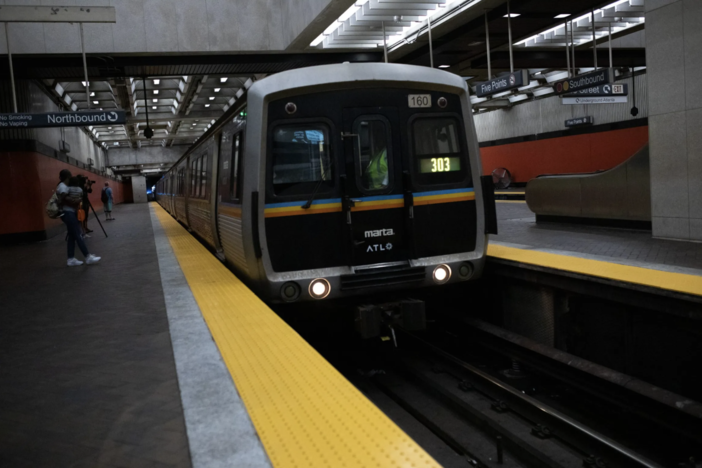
x: 340, y: 180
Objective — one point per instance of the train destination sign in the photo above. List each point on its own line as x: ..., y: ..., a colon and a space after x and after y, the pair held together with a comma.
x: 595, y: 100
x: 618, y: 89
x: 580, y: 121
x: 63, y: 119
x: 588, y: 80
x: 502, y: 83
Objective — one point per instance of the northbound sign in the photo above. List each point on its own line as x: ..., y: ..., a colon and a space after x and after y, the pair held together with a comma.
x: 63, y: 119
x: 502, y: 83
x: 597, y: 78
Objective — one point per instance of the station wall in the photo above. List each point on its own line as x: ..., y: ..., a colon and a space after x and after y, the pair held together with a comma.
x: 30, y: 178
x: 582, y: 153
x: 30, y: 98
x: 549, y: 115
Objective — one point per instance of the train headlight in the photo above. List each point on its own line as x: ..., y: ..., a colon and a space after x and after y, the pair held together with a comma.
x: 442, y: 273
x: 290, y: 291
x: 320, y: 288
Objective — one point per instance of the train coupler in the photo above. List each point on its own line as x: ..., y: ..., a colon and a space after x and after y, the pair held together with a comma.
x: 408, y: 314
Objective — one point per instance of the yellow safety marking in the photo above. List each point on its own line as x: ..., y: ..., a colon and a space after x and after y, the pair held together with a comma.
x: 510, y: 201
x: 510, y: 193
x: 688, y: 284
x: 305, y: 412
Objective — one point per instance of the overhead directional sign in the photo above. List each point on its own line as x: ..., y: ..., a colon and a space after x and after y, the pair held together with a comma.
x: 595, y: 100
x: 619, y: 89
x: 63, y: 119
x: 502, y: 83
x: 588, y: 80
x: 580, y: 121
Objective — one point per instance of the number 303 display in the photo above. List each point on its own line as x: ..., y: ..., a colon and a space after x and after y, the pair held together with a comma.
x: 433, y: 165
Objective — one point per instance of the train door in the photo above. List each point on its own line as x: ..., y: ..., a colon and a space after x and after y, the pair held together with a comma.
x: 374, y: 189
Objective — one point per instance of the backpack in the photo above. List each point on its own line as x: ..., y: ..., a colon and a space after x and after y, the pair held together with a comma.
x: 52, y: 208
x: 103, y: 197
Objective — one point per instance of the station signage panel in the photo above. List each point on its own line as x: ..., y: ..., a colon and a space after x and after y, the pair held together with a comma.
x: 618, y: 89
x: 580, y: 121
x: 595, y: 100
x: 588, y: 80
x: 502, y: 83
x: 63, y: 119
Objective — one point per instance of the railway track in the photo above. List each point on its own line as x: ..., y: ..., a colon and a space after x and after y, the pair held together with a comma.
x: 484, y: 418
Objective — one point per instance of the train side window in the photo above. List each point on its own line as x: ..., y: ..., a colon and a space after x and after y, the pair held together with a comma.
x: 236, y: 151
x: 438, y: 156
x: 203, y: 176
x: 301, y: 159
x: 193, y: 174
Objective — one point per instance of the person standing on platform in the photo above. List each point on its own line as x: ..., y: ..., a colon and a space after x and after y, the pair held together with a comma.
x: 106, y: 198
x: 69, y: 207
x: 85, y: 205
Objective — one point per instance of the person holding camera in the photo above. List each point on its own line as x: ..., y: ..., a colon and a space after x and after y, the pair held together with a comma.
x: 70, y: 196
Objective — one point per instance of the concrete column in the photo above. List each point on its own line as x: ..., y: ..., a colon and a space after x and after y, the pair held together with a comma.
x: 139, y: 189
x: 674, y: 61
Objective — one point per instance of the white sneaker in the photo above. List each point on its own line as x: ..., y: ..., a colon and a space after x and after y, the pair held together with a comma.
x: 90, y: 259
x: 73, y: 262
x: 87, y: 235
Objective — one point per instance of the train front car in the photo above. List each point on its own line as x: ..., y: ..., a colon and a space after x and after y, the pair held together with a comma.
x: 369, y: 181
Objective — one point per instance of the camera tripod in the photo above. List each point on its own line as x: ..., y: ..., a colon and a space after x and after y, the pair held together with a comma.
x: 96, y: 217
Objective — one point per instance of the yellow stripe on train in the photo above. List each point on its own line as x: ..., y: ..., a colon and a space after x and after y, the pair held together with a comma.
x: 444, y: 198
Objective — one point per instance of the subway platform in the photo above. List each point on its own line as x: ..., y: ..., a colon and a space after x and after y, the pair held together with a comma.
x: 159, y: 356
x: 626, y: 256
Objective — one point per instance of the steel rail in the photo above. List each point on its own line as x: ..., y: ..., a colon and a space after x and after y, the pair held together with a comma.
x: 543, y: 408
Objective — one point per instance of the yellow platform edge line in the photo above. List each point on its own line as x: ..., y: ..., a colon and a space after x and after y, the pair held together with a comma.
x: 510, y: 201
x: 305, y: 412
x: 679, y: 282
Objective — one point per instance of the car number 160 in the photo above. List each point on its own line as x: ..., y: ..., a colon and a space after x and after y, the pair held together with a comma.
x: 419, y: 100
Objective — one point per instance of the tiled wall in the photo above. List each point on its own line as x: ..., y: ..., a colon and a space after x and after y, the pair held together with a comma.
x: 674, y: 61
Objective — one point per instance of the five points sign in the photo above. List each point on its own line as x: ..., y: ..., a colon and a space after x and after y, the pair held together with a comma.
x: 589, y: 80
x: 63, y: 119
x: 502, y: 83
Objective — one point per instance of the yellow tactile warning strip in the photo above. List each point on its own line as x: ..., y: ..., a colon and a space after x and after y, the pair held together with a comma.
x: 687, y: 284
x: 305, y: 412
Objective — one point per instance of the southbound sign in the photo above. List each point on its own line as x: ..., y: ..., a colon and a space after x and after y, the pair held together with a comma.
x: 589, y: 80
x: 621, y: 89
x: 502, y: 83
x: 63, y: 119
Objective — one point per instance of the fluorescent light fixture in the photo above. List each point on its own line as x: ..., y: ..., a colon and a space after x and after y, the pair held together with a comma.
x: 207, y: 105
x: 216, y: 90
x: 109, y: 128
x: 157, y: 81
x: 194, y: 124
x: 562, y: 15
x: 212, y: 98
x: 96, y: 102
x: 223, y: 80
x: 317, y: 41
x: 444, y: 66
x: 154, y: 100
x: 155, y: 91
x: 153, y: 107
x: 92, y: 94
x: 83, y: 83
x: 512, y: 15
x: 116, y: 143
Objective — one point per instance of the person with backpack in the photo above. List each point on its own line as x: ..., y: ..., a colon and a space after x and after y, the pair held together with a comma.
x: 106, y: 198
x: 67, y: 200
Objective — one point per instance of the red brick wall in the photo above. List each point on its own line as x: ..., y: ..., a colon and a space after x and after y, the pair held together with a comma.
x: 29, y: 179
x: 571, y: 154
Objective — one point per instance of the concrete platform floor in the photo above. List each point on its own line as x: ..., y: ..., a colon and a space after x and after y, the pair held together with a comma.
x: 87, y: 374
x: 518, y: 228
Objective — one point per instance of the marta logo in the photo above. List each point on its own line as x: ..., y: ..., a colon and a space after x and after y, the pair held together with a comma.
x: 379, y: 233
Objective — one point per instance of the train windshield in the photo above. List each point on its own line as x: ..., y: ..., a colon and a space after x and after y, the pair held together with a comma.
x: 301, y: 158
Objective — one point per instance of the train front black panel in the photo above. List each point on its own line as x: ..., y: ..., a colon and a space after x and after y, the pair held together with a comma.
x: 367, y: 176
